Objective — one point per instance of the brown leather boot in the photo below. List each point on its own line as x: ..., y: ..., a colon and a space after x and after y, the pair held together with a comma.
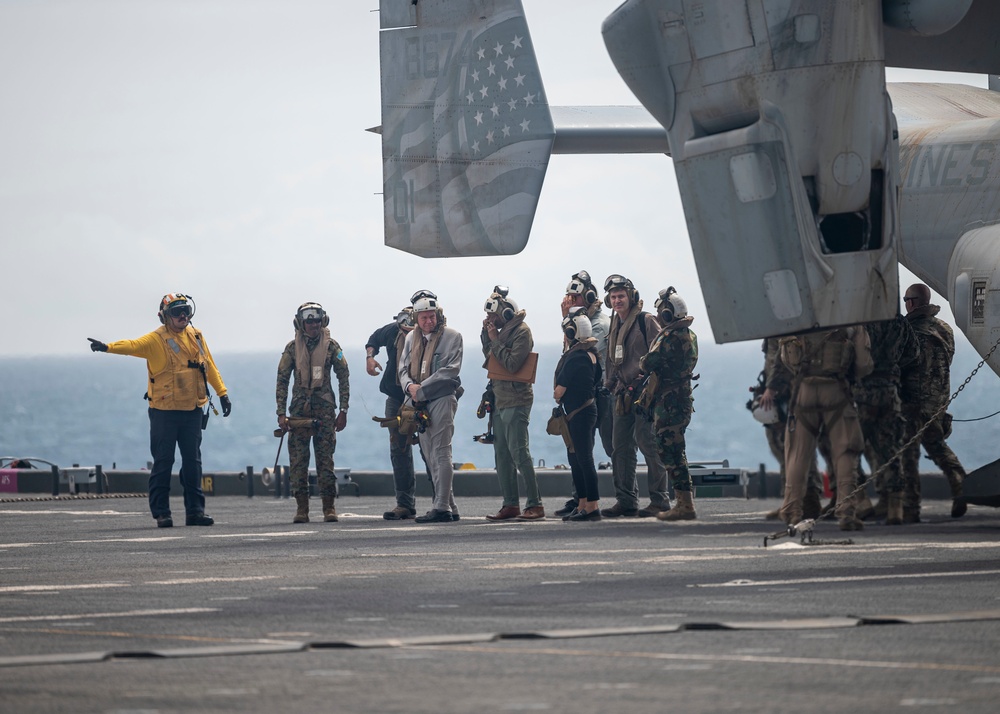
x: 302, y: 514
x: 683, y: 509
x: 329, y: 512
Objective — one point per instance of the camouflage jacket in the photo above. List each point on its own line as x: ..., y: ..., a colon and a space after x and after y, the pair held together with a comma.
x: 777, y: 378
x: 929, y: 383
x: 671, y: 359
x: 895, y: 351
x: 334, y: 360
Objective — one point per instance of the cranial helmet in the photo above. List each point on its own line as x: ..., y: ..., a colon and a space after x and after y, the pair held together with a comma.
x: 175, y: 305
x: 620, y: 282
x: 424, y: 301
x: 670, y: 306
x: 576, y: 325
x: 310, y: 312
x: 581, y: 284
x: 499, y: 304
x: 404, y: 318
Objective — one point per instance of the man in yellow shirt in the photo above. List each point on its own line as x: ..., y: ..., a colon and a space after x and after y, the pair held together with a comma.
x: 180, y: 369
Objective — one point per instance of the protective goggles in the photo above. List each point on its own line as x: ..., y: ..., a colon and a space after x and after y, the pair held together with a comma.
x: 181, y: 310
x: 584, y: 277
x: 501, y: 290
x: 422, y: 294
x: 619, y: 282
x: 311, y: 314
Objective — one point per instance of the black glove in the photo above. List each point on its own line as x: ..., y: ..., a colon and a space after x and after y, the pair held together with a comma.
x: 227, y: 406
x: 97, y: 345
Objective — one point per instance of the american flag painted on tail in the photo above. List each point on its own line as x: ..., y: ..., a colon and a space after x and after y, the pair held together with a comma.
x: 466, y: 130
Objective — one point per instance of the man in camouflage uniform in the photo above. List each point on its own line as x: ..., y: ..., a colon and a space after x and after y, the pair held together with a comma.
x: 311, y: 356
x: 894, y: 348
x: 670, y: 365
x: 776, y: 396
x: 824, y: 364
x: 926, y: 390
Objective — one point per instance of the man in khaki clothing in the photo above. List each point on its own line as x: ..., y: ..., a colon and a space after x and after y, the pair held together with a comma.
x: 824, y: 365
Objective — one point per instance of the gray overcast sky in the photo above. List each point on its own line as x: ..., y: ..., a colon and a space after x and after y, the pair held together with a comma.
x: 217, y: 147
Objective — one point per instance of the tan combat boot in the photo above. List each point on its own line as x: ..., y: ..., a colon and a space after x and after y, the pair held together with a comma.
x: 894, y: 509
x: 863, y: 507
x: 683, y: 509
x: 329, y: 512
x: 302, y: 514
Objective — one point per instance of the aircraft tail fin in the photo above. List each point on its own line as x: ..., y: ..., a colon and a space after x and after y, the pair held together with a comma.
x: 466, y: 127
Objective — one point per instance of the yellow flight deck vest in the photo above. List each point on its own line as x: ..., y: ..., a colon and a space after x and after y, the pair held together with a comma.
x: 179, y: 386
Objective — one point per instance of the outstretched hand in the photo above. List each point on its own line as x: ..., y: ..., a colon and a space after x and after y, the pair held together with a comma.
x: 97, y: 345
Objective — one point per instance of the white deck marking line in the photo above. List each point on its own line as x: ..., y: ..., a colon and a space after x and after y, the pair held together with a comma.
x: 197, y: 581
x: 843, y: 579
x: 274, y: 534
x: 99, y: 586
x: 82, y: 586
x: 105, y: 615
x: 750, y: 659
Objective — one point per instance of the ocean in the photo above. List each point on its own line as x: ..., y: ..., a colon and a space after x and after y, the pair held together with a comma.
x: 88, y: 409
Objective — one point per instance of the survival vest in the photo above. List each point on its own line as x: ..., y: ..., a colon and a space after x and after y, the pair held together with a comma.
x: 829, y: 354
x: 180, y: 386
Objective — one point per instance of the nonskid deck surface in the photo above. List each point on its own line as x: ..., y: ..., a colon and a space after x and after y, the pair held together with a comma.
x: 101, y: 611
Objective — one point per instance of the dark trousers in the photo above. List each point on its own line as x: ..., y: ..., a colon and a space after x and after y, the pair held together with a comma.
x: 581, y: 433
x: 167, y: 431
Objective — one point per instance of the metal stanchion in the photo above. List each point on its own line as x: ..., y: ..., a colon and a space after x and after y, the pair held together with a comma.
x: 55, y: 480
x: 287, y: 490
x: 762, y: 482
x: 99, y: 474
x: 249, y: 481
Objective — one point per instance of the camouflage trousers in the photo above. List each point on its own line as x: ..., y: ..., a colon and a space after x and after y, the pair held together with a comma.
x: 324, y: 443
x: 881, y: 418
x: 671, y: 417
x: 938, y: 451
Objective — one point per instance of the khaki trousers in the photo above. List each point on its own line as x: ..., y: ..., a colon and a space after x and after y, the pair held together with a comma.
x: 826, y: 402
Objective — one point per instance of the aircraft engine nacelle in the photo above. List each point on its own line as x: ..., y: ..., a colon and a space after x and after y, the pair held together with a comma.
x: 924, y: 18
x: 974, y: 282
x: 782, y: 137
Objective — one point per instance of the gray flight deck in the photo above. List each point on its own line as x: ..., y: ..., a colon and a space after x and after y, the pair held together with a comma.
x: 102, y: 612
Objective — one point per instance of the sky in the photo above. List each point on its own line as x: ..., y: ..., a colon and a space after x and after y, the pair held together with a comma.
x: 218, y: 148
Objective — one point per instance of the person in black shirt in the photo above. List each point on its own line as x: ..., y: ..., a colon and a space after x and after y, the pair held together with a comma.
x: 391, y: 337
x: 578, y: 375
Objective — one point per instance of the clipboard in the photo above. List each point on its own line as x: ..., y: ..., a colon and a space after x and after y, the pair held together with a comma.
x: 495, y: 370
